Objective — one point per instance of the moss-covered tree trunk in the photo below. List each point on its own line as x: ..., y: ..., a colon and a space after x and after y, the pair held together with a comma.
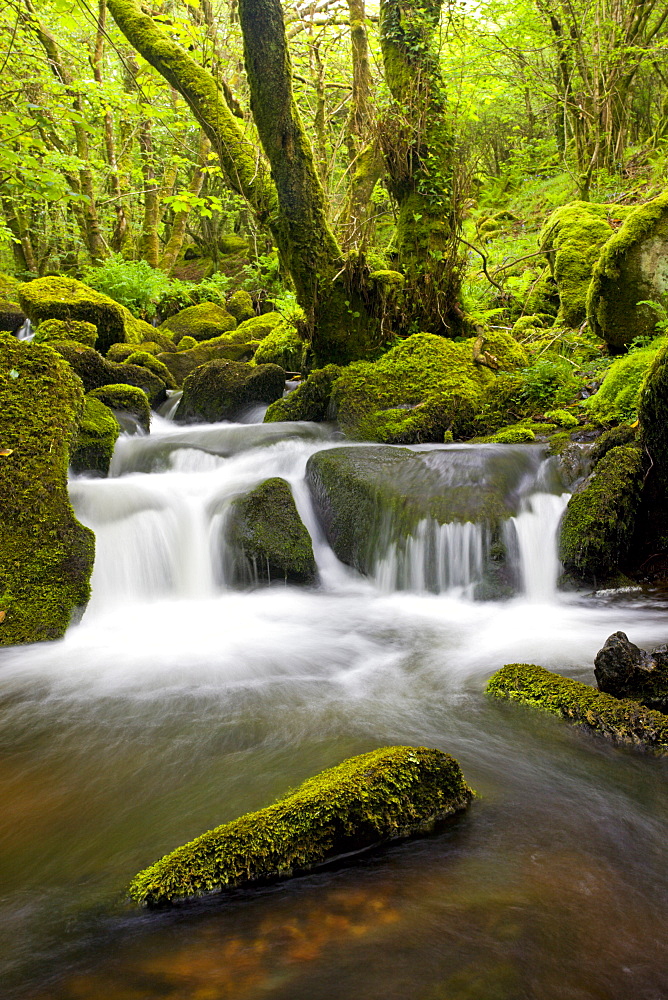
x: 418, y: 142
x: 178, y: 231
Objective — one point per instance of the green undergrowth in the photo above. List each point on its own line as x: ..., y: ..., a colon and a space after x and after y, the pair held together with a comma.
x: 618, y: 398
x: 620, y: 720
x: 379, y: 796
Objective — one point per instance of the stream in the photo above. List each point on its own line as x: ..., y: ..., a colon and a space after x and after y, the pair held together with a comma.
x: 178, y: 703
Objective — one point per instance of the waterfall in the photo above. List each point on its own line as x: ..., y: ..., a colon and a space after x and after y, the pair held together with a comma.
x: 533, y: 537
x: 25, y: 332
x: 436, y: 558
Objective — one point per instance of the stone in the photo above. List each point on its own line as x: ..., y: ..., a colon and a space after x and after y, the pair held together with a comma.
x: 94, y: 441
x: 202, y: 322
x: 625, y: 670
x: 12, y: 317
x: 221, y: 390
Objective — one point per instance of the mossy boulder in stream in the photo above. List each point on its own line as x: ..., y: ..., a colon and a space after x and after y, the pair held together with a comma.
x: 623, y: 721
x: 599, y: 521
x: 67, y: 329
x: 266, y: 537
x: 46, y: 556
x: 283, y: 347
x: 311, y: 400
x: 222, y: 348
x: 632, y: 268
x: 95, y: 371
x: 202, y: 322
x: 125, y: 400
x: 385, y: 795
x: 54, y: 297
x: 94, y: 441
x: 154, y: 364
x: 221, y: 390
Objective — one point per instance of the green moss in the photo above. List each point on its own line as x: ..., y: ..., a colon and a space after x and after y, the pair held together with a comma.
x: 618, y: 398
x: 240, y: 305
x: 630, y: 269
x: 9, y: 287
x: 268, y: 538
x: 525, y: 323
x: 513, y: 435
x: 125, y: 399
x: 598, y: 525
x: 572, y: 239
x: 653, y: 415
x: 220, y: 390
x: 66, y: 299
x: 613, y: 438
x: 66, y: 329
x: 202, y: 322
x: 310, y: 400
x: 283, y: 346
x: 390, y: 279
x: 46, y: 556
x: 95, y: 371
x: 222, y: 348
x: 562, y: 418
x: 232, y: 244
x: 185, y: 343
x: 622, y: 721
x: 154, y: 365
x: 258, y: 327
x: 387, y: 794
x: 93, y: 444
x: 421, y: 389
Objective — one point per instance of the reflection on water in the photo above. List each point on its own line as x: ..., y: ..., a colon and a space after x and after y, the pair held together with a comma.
x: 178, y: 704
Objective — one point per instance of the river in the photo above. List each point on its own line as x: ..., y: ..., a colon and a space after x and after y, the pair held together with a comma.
x: 178, y: 703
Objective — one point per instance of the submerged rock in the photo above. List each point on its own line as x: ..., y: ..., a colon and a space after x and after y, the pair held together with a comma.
x: 631, y: 269
x: 220, y: 390
x: 46, y: 555
x: 267, y: 537
x: 96, y: 436
x: 391, y: 793
x: 621, y: 721
x: 625, y: 670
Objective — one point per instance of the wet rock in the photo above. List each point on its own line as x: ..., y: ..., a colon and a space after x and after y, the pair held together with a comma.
x: 385, y: 795
x: 12, y: 317
x: 267, y: 539
x: 220, y: 390
x: 625, y: 670
x: 126, y: 400
x: 96, y: 436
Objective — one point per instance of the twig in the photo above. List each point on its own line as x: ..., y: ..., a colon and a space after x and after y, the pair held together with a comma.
x: 484, y: 262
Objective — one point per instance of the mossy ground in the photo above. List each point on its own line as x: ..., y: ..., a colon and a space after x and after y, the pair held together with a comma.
x: 379, y: 796
x: 623, y: 721
x: 46, y: 556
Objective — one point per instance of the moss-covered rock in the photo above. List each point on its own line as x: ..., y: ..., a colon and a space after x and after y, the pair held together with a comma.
x: 258, y: 327
x: 46, y: 556
x: 54, y: 297
x: 240, y: 305
x: 600, y: 518
x: 518, y: 434
x: 220, y: 390
x: 125, y: 399
x: 562, y: 418
x: 95, y: 371
x: 12, y: 317
x: 223, y: 348
x: 267, y: 539
x: 185, y: 343
x: 203, y: 322
x: 422, y: 389
x: 572, y: 239
x: 93, y: 444
x: 613, y: 438
x: 311, y: 400
x: 618, y: 720
x: 391, y: 793
x: 155, y: 365
x: 66, y: 329
x: 632, y: 267
x: 618, y: 397
x: 653, y: 415
x: 283, y: 347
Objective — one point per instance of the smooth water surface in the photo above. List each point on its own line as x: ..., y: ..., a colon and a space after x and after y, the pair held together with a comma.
x: 178, y: 704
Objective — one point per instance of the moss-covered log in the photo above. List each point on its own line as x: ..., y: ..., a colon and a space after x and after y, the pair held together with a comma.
x: 384, y: 795
x: 46, y: 556
x: 623, y: 721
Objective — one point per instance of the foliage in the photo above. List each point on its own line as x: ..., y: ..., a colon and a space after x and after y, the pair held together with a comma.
x: 133, y: 283
x: 618, y: 398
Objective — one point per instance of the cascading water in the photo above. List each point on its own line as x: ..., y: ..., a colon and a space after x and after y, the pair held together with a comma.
x: 178, y: 703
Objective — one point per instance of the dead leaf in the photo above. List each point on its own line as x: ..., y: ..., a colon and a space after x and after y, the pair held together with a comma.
x: 5, y: 452
x: 2, y: 616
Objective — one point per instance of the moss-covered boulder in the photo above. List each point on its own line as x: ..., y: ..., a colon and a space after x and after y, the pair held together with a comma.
x: 283, y: 347
x: 95, y: 371
x: 12, y: 317
x: 423, y: 389
x: 258, y: 327
x: 220, y: 348
x: 385, y: 795
x: 54, y: 297
x: 185, y: 343
x: 66, y: 329
x: 202, y: 322
x: 626, y: 671
x: 46, y: 556
x: 599, y: 521
x: 125, y: 400
x: 221, y: 390
x: 622, y: 721
x: 311, y: 400
x: 618, y: 397
x: 155, y: 365
x: 653, y: 415
x: 572, y: 239
x: 93, y: 444
x: 240, y: 305
x: 632, y: 268
x: 266, y: 538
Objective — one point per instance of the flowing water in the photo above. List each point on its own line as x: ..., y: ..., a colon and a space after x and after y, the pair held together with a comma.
x: 178, y: 703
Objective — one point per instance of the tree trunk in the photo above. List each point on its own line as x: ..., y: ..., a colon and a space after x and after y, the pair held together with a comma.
x: 177, y: 235
x: 22, y: 249
x: 149, y: 247
x: 121, y: 225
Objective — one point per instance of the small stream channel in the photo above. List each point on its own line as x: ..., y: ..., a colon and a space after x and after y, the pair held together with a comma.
x: 178, y: 703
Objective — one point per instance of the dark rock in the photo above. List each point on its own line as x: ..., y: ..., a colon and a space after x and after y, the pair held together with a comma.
x: 95, y: 371
x: 220, y: 390
x: 627, y: 671
x: 12, y: 317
